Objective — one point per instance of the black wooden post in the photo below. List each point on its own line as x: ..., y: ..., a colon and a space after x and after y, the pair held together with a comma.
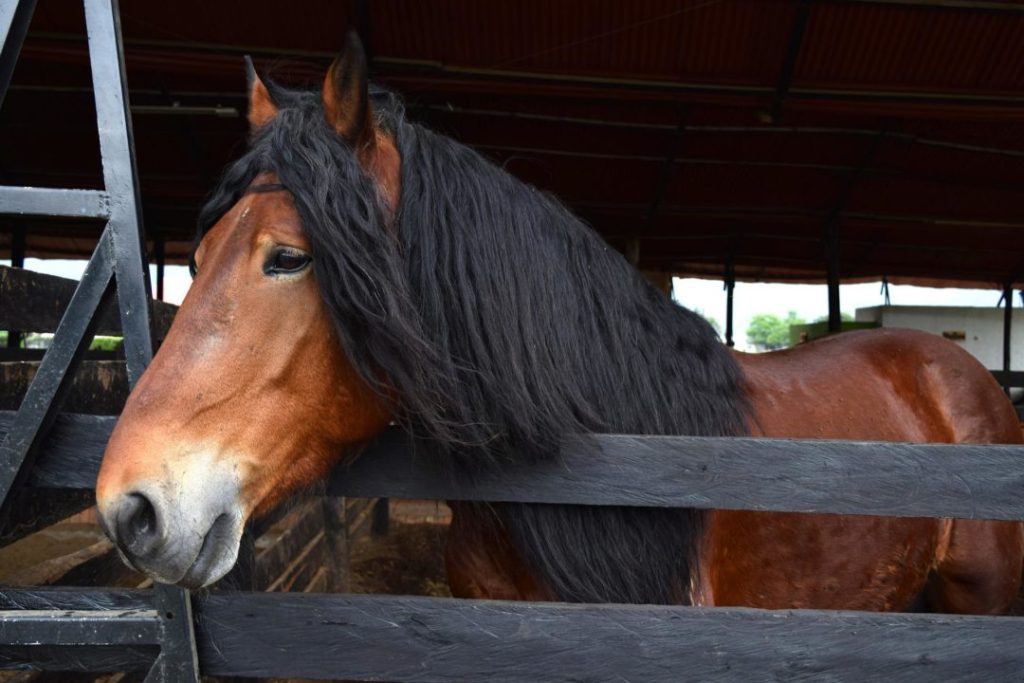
x: 381, y: 517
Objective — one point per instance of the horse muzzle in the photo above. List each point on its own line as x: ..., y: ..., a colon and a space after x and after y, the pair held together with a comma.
x: 174, y: 532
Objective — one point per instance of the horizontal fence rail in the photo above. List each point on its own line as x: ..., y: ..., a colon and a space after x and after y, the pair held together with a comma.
x: 843, y: 477
x: 437, y: 639
x: 35, y: 302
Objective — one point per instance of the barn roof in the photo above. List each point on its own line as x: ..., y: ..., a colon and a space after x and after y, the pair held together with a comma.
x: 690, y: 133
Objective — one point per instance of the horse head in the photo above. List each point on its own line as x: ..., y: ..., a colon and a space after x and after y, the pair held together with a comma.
x: 251, y: 396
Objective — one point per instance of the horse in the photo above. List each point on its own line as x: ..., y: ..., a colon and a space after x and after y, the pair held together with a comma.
x: 354, y: 269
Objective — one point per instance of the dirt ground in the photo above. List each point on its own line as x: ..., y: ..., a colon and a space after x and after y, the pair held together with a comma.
x: 410, y: 559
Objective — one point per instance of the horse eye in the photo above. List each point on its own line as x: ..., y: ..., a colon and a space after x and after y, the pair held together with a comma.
x: 285, y: 261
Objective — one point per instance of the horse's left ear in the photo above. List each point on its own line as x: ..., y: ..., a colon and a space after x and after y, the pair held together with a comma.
x: 346, y: 96
x: 262, y: 107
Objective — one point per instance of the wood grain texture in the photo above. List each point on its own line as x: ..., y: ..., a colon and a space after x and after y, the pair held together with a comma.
x: 431, y: 639
x: 34, y: 302
x: 98, y: 387
x: 967, y: 481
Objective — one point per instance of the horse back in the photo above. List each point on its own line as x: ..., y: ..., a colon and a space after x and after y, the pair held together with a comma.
x: 887, y: 385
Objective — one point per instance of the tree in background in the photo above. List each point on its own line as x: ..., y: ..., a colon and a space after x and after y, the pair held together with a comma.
x: 767, y: 331
x: 844, y: 316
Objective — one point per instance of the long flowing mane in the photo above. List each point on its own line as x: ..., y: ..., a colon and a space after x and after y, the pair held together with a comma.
x: 502, y: 323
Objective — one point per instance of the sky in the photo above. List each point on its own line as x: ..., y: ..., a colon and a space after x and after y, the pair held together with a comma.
x: 707, y: 296
x: 811, y: 301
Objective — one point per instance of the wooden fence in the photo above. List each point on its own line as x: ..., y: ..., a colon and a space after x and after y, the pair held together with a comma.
x: 431, y: 639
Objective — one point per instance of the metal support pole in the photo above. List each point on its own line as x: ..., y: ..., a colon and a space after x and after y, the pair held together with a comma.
x: 159, y: 255
x: 835, y: 317
x: 830, y: 233
x: 1007, y: 328
x: 730, y: 286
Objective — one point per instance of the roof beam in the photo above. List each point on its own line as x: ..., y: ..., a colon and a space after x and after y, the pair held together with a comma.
x: 796, y: 41
x: 970, y: 5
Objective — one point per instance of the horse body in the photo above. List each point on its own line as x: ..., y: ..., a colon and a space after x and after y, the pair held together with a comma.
x: 880, y: 385
x: 482, y: 315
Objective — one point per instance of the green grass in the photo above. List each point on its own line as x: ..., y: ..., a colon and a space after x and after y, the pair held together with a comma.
x: 99, y: 343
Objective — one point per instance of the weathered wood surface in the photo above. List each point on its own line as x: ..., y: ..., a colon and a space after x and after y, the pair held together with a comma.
x: 62, y: 598
x: 34, y: 302
x: 431, y: 639
x: 82, y: 658
x: 97, y: 388
x: 843, y: 477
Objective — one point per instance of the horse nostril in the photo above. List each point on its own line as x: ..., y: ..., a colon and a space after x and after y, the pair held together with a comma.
x: 137, y: 525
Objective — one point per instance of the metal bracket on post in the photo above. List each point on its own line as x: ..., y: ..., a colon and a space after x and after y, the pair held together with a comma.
x: 118, y: 259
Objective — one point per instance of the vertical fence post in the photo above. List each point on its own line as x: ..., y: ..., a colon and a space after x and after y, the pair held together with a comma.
x: 381, y: 517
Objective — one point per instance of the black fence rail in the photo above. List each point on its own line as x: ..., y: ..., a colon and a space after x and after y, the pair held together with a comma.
x: 968, y: 481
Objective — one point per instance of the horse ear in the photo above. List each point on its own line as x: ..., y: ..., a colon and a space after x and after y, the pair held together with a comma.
x: 346, y: 95
x: 261, y: 105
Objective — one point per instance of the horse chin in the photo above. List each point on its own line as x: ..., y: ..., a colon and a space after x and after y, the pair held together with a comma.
x: 217, y: 555
x: 213, y: 559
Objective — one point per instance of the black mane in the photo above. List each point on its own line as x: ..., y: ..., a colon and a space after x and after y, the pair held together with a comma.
x: 504, y: 323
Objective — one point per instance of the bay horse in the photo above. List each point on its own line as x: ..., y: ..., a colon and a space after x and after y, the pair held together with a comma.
x: 356, y: 269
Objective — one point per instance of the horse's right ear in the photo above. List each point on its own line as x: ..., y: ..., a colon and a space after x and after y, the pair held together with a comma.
x: 346, y: 96
x: 261, y: 105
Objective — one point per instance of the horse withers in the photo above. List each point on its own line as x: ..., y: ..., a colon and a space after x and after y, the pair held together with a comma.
x: 356, y: 269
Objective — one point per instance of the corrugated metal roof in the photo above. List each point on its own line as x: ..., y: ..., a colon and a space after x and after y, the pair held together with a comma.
x: 583, y: 98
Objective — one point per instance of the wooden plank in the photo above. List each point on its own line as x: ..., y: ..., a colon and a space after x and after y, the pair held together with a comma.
x: 969, y: 481
x: 88, y: 658
x: 34, y: 302
x: 337, y: 577
x: 1009, y: 378
x: 844, y: 477
x: 98, y: 387
x: 61, y: 598
x: 433, y: 639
